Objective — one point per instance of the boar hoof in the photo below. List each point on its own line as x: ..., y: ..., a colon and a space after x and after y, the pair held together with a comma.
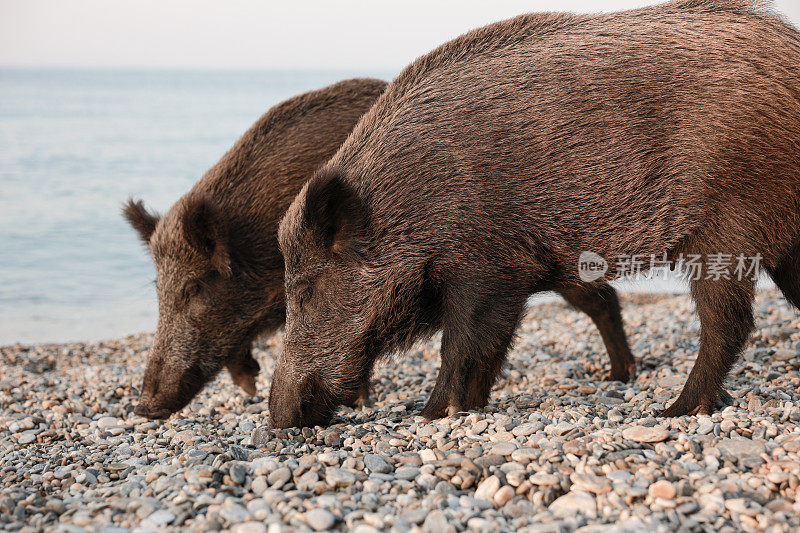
x: 155, y: 414
x: 678, y: 408
x: 436, y: 412
x: 698, y: 406
x: 725, y: 399
x: 363, y: 402
x: 454, y: 411
x: 246, y: 382
x: 433, y: 412
x: 624, y: 373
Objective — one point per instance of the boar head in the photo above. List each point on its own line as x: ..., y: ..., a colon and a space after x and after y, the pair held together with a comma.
x: 211, y: 303
x: 349, y: 300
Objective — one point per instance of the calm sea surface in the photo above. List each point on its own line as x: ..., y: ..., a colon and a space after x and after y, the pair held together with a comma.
x: 73, y: 146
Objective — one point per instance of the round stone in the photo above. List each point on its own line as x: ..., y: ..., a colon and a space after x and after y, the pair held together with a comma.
x: 574, y: 503
x: 645, y: 434
x: 319, y: 519
x: 662, y: 489
x: 487, y: 488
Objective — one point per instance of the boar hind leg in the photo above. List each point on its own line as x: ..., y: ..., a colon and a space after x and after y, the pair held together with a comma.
x: 725, y: 308
x: 476, y: 336
x: 600, y: 302
x: 787, y: 277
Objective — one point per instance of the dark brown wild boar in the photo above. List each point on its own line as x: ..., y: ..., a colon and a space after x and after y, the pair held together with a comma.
x: 219, y: 269
x: 489, y: 165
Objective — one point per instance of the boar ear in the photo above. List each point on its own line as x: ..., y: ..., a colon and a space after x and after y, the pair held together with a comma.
x: 334, y: 211
x: 142, y: 220
x: 205, y: 230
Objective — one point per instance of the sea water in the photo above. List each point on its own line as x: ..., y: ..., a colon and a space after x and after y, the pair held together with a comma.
x: 74, y: 144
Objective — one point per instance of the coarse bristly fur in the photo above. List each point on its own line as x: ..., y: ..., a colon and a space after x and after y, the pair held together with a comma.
x: 219, y: 269
x: 490, y: 164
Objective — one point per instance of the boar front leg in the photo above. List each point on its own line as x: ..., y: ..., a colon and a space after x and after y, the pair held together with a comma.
x: 243, y: 369
x: 725, y: 308
x: 363, y: 399
x: 476, y: 336
x: 600, y: 302
x: 482, y: 379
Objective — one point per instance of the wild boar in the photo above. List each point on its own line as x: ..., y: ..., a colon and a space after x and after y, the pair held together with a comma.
x: 491, y: 164
x: 219, y: 272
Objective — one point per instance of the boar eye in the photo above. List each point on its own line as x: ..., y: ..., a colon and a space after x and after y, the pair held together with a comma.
x: 305, y: 294
x: 191, y: 290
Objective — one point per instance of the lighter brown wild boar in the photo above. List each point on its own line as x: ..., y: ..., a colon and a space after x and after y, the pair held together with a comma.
x: 219, y: 270
x: 489, y: 165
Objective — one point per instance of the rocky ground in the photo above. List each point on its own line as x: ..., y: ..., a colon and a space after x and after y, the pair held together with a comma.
x: 558, y: 449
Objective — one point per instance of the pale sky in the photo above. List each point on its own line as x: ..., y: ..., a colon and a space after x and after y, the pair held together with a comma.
x: 300, y: 34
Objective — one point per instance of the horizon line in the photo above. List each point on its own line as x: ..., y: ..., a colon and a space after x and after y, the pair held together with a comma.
x: 217, y: 68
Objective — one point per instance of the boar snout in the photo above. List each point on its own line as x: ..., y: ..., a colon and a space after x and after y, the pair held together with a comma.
x: 298, y: 401
x: 151, y: 406
x: 284, y: 400
x: 284, y: 414
x: 170, y: 394
x: 169, y: 384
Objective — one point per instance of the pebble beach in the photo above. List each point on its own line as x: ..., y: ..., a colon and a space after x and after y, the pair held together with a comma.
x: 558, y: 449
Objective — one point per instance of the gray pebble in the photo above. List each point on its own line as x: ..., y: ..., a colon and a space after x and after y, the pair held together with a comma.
x: 376, y: 463
x: 319, y: 519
